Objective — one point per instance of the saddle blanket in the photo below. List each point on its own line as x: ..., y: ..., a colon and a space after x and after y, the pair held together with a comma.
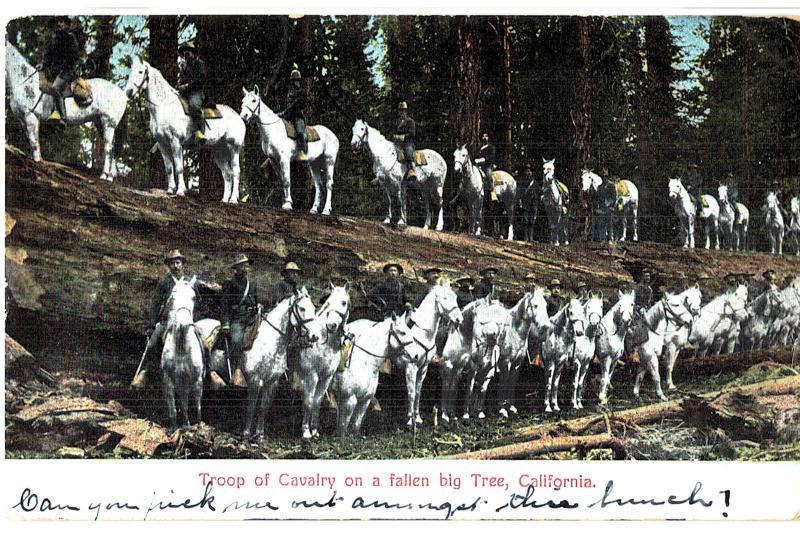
x: 209, y: 112
x: 622, y: 188
x: 419, y: 159
x: 563, y: 190
x: 499, y: 177
x: 311, y: 131
x: 80, y: 90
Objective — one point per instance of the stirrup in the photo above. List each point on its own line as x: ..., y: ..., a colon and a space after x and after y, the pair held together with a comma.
x: 199, y: 136
x: 139, y: 381
x: 411, y: 174
x: 55, y: 115
x: 301, y: 157
x: 238, y: 380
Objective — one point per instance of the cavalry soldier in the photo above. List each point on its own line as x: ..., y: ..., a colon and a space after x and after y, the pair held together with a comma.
x: 405, y: 131
x: 485, y: 160
x: 529, y: 282
x: 693, y: 182
x: 287, y: 286
x: 389, y: 296
x: 295, y: 112
x: 240, y: 308
x: 770, y: 281
x: 464, y: 294
x: 582, y: 291
x: 731, y: 283
x: 61, y: 60
x: 486, y: 285
x: 643, y: 294
x: 192, y: 86
x: 555, y: 301
x: 432, y: 277
x: 733, y: 194
x: 176, y: 263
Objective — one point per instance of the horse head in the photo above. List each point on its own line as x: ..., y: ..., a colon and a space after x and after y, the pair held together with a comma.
x: 461, y: 160
x: 537, y: 304
x: 722, y: 193
x: 138, y: 77
x: 594, y: 309
x: 301, y: 310
x: 771, y: 205
x: 588, y: 180
x: 548, y: 169
x: 692, y: 300
x: 794, y: 206
x: 625, y: 307
x: 182, y: 301
x: 576, y: 317
x: 675, y: 188
x: 447, y: 302
x: 360, y: 135
x: 251, y: 105
x: 336, y: 308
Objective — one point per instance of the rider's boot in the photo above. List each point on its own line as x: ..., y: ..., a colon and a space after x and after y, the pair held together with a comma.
x: 59, y: 113
x: 199, y: 123
x: 302, y: 148
x: 411, y: 175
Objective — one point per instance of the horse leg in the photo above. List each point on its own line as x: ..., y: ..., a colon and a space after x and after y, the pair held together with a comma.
x: 253, y: 393
x: 309, y: 381
x: 168, y: 390
x: 548, y: 391
x: 169, y: 167
x: 32, y: 133
x: 576, y: 384
x: 284, y: 173
x: 652, y: 365
x: 556, y: 379
x: 411, y: 389
x: 671, y: 356
x: 221, y: 160
x: 360, y: 413
x: 584, y: 371
x: 511, y: 211
x: 177, y: 156
x: 316, y: 176
x: 690, y: 229
x: 388, y: 219
x: 438, y: 202
x: 605, y: 380
x: 330, y: 164
x: 423, y: 371
x: 640, y: 373
x: 715, y: 228
x: 108, y: 151
x: 707, y: 232
x: 446, y: 373
x: 426, y: 200
x: 268, y: 393
x: 198, y: 396
x: 514, y: 375
x: 403, y: 189
x: 346, y: 408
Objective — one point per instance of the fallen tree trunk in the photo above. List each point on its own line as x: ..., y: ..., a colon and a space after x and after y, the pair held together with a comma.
x: 564, y: 433
x: 547, y: 446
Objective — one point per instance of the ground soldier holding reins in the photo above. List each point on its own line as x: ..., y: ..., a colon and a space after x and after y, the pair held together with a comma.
x: 176, y: 263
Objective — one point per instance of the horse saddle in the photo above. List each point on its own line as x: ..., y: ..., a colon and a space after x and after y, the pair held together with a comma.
x: 311, y: 132
x: 79, y: 89
x: 498, y: 177
x: 704, y: 201
x: 419, y: 157
x: 210, y: 111
x: 250, y: 333
x: 564, y: 191
x: 622, y: 188
x: 344, y: 358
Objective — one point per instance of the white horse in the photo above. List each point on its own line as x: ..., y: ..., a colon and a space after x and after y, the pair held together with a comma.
x: 717, y: 326
x: 172, y: 128
x: 688, y: 215
x: 32, y: 106
x: 356, y: 383
x: 793, y: 229
x: 439, y: 304
x: 670, y: 314
x: 471, y: 188
x: 773, y: 221
x: 734, y: 233
x: 586, y: 347
x: 679, y: 329
x: 785, y: 326
x: 560, y: 347
x: 276, y: 144
x: 557, y: 215
x: 265, y: 362
x: 182, y: 355
x: 390, y: 173
x: 627, y: 204
x: 528, y: 315
x: 319, y: 361
x: 610, y: 342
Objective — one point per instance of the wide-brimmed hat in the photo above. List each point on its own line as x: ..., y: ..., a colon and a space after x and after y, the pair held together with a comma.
x: 291, y: 266
x: 188, y: 46
x: 295, y: 75
x: 581, y: 284
x: 465, y: 279
x: 529, y: 277
x: 553, y: 283
x: 397, y: 265
x: 487, y: 269
x: 174, y: 254
x: 429, y: 270
x: 239, y: 259
x: 730, y: 276
x: 402, y: 105
x: 769, y: 274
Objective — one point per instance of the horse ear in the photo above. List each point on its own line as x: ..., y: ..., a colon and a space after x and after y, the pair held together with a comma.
x: 331, y: 285
x: 257, y: 90
x: 394, y: 316
x: 244, y: 90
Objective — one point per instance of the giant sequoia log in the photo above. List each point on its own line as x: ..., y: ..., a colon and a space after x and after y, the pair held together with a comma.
x: 83, y: 257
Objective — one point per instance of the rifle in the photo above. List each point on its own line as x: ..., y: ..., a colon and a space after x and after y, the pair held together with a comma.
x: 144, y: 354
x: 228, y: 357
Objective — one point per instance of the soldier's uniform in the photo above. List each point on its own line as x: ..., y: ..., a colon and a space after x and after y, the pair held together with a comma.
x: 432, y: 276
x: 192, y: 85
x: 295, y: 112
x: 485, y: 160
x: 693, y: 182
x: 770, y: 281
x: 582, y: 292
x: 389, y: 296
x: 464, y: 294
x: 605, y: 202
x: 60, y: 64
x: 555, y: 301
x: 405, y: 132
x: 157, y: 318
x: 240, y: 308
x: 486, y: 285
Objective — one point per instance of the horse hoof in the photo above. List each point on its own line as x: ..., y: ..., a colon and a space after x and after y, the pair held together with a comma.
x: 465, y: 417
x: 503, y: 413
x: 663, y: 398
x: 481, y: 416
x: 548, y: 410
x: 314, y: 434
x: 418, y: 420
x: 513, y: 410
x: 326, y: 212
x: 306, y: 435
x: 313, y: 211
x: 387, y: 221
x: 287, y: 207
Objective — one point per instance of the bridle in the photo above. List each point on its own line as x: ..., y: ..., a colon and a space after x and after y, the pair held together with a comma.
x: 255, y: 113
x: 466, y: 166
x: 363, y: 139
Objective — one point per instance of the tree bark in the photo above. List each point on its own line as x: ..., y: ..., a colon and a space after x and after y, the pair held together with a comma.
x: 504, y: 133
x: 582, y: 117
x: 465, y: 112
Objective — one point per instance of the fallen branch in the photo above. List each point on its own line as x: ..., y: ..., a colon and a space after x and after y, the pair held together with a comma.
x: 547, y: 446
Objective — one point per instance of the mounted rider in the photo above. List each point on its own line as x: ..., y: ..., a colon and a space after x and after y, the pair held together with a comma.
x: 176, y: 263
x: 733, y: 194
x: 405, y: 131
x: 693, y: 182
x: 295, y: 112
x: 555, y: 301
x: 287, y: 287
x: 389, y: 296
x: 770, y: 281
x: 485, y: 160
x: 240, y: 310
x: 432, y: 276
x: 464, y: 294
x: 731, y: 282
x: 582, y: 292
x: 486, y: 285
x: 61, y: 62
x: 192, y: 86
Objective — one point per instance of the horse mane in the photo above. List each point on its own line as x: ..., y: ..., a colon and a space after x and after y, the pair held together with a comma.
x: 656, y: 314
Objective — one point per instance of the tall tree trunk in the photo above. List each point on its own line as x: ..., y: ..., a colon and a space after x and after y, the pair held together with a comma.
x: 747, y: 133
x: 582, y: 118
x: 100, y: 65
x: 504, y: 137
x: 465, y: 114
x: 163, y: 55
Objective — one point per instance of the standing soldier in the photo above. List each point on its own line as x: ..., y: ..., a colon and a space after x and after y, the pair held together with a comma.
x: 176, y: 263
x: 389, y: 296
x: 485, y: 160
x: 464, y: 294
x: 486, y: 285
x: 555, y: 301
x: 240, y: 308
x: 61, y: 61
x: 405, y: 132
x: 192, y: 86
x: 295, y: 112
x: 432, y: 276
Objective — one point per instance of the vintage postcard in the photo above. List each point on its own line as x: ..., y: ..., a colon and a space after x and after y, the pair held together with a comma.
x: 400, y: 265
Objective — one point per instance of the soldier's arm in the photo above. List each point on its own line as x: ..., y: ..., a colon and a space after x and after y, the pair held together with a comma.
x: 157, y: 303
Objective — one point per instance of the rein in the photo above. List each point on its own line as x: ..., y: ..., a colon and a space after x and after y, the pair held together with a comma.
x: 256, y: 115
